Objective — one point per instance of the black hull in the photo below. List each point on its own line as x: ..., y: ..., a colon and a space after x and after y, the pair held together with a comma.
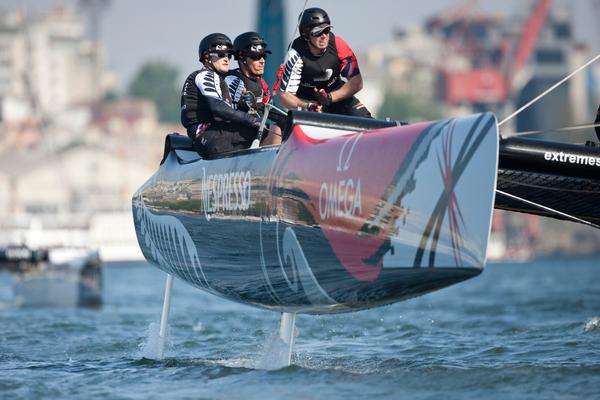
x: 227, y: 272
x: 563, y: 177
x: 338, y: 223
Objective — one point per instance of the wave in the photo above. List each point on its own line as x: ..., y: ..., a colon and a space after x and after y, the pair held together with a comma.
x: 592, y: 324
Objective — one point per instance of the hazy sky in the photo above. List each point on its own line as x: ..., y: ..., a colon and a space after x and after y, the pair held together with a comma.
x: 135, y: 31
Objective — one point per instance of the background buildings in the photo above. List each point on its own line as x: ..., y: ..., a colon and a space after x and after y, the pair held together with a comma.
x: 74, y: 144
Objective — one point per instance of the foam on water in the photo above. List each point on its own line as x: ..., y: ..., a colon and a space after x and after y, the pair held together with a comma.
x: 490, y: 340
x: 592, y: 324
x: 273, y: 354
x: 235, y: 363
x: 150, y: 347
x: 199, y: 327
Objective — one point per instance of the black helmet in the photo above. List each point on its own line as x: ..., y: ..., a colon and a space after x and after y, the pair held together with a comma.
x: 211, y: 42
x: 248, y: 43
x: 313, y: 17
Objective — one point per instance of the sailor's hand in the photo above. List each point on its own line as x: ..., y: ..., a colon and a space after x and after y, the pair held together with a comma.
x: 242, y: 106
x: 249, y: 99
x: 260, y: 107
x: 256, y: 122
x: 323, y: 98
x: 315, y: 107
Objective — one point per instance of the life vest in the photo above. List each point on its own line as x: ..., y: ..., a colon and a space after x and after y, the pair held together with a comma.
x: 194, y: 109
x: 257, y: 86
x: 320, y: 72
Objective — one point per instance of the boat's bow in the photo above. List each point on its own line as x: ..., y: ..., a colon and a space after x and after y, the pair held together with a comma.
x: 403, y: 210
x: 334, y: 220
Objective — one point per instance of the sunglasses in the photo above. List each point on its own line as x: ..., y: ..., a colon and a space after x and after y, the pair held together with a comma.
x: 220, y: 54
x: 316, y: 33
x: 256, y: 56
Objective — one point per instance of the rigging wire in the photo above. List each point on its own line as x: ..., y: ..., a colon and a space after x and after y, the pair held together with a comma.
x: 511, y: 116
x: 565, y: 129
x: 552, y: 210
x: 275, y: 88
x: 298, y: 24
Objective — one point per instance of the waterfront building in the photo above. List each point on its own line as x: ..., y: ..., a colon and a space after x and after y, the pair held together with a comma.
x: 47, y: 64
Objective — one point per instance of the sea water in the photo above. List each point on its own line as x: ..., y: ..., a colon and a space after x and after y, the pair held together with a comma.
x: 517, y: 331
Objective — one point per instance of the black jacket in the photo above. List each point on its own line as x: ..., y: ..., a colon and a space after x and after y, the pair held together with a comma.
x: 205, y: 99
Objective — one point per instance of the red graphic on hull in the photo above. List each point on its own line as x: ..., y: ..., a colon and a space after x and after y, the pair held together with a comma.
x: 361, y: 168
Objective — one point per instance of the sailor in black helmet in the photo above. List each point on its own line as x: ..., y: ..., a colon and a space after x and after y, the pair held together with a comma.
x: 250, y: 50
x: 206, y: 104
x: 321, y: 72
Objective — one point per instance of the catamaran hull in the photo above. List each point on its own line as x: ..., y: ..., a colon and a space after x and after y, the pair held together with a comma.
x: 326, y: 223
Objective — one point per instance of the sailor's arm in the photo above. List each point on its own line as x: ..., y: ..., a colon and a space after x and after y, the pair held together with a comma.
x: 291, y: 101
x: 222, y: 111
x: 210, y: 86
x: 349, y: 70
x: 290, y: 82
x: 349, y: 89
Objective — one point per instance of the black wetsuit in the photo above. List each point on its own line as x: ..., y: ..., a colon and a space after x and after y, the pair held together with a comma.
x: 239, y: 83
x: 208, y: 115
x: 304, y: 72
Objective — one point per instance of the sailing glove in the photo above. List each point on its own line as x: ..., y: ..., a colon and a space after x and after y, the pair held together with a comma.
x: 323, y: 98
x: 249, y: 100
x: 311, y: 106
x: 256, y: 122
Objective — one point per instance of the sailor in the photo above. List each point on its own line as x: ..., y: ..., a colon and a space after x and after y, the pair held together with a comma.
x: 250, y: 51
x: 321, y: 71
x: 207, y: 110
x: 598, y: 122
